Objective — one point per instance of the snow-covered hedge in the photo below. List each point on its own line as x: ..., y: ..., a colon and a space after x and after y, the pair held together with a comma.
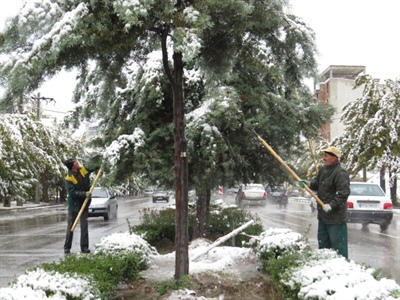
x: 318, y: 274
x: 40, y: 284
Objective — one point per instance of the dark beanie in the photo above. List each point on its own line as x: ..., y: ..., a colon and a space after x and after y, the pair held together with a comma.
x: 69, y: 163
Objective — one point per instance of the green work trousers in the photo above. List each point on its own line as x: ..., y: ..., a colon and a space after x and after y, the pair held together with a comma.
x: 333, y: 236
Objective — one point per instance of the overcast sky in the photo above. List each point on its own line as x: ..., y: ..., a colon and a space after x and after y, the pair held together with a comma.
x: 355, y: 32
x: 348, y: 32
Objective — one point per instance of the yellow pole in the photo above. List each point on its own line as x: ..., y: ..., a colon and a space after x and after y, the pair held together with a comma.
x: 289, y: 169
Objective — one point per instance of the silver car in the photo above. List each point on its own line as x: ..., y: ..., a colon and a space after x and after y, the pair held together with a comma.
x: 148, y: 192
x: 160, y: 195
x: 104, y: 204
x: 252, y: 193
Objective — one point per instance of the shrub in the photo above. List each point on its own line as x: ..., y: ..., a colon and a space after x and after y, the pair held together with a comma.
x: 104, y: 271
x: 222, y: 221
x: 158, y: 224
x: 155, y: 225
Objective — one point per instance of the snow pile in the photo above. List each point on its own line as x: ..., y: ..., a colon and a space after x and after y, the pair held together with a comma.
x: 278, y: 240
x: 36, y: 284
x: 219, y: 258
x: 124, y: 242
x: 328, y: 275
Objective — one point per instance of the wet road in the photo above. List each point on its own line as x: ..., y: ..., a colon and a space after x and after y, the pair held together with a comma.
x: 38, y: 237
x: 370, y: 247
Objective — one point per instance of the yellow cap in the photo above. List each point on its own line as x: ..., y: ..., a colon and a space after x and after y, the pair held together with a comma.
x: 332, y: 150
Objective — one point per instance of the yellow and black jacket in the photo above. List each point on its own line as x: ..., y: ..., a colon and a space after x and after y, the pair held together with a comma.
x: 77, y: 185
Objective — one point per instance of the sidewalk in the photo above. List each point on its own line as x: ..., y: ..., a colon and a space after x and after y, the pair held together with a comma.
x: 28, y: 208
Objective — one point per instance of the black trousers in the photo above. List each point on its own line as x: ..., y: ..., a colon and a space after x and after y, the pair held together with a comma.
x: 84, y: 230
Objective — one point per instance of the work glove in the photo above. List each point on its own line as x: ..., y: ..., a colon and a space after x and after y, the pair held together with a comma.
x: 88, y: 194
x: 304, y: 182
x: 327, y: 208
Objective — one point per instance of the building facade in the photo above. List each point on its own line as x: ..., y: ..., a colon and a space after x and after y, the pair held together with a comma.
x: 336, y: 88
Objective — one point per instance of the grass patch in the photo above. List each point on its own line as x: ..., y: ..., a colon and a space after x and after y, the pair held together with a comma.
x: 174, y: 284
x: 103, y: 270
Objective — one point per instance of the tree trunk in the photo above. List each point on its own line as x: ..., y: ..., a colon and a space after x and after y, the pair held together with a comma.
x: 364, y: 174
x: 45, y: 188
x: 175, y: 78
x: 7, y: 202
x: 63, y: 194
x: 201, y: 214
x: 181, y: 173
x: 393, y: 185
x: 382, y: 179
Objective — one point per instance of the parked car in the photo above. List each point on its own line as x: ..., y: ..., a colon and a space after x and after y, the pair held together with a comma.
x: 160, y: 195
x: 104, y: 204
x: 279, y: 195
x: 367, y: 204
x: 252, y: 193
x: 295, y: 193
x: 148, y: 192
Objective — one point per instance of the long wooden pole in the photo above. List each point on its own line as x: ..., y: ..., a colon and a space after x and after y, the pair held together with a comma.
x: 312, y: 155
x: 86, y: 201
x: 288, y: 168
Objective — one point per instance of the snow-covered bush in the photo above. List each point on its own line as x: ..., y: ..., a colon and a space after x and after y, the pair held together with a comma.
x: 328, y: 275
x: 54, y: 285
x: 124, y: 242
x: 301, y: 273
x: 85, y: 277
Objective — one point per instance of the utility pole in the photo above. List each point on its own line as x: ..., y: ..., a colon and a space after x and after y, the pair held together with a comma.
x: 38, y: 99
x: 38, y: 107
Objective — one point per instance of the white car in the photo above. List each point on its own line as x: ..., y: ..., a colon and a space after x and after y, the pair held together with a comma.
x: 104, y: 204
x: 252, y: 193
x: 148, y: 192
x: 367, y: 204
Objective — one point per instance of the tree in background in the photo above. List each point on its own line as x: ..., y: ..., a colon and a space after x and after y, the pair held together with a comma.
x: 28, y: 148
x: 372, y: 129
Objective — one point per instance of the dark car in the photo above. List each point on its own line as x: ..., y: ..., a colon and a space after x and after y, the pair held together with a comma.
x: 160, y: 195
x: 104, y: 204
x: 279, y: 195
x: 252, y: 193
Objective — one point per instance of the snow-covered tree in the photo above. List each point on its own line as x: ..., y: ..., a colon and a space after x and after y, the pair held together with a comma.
x: 242, y: 62
x: 29, y: 151
x: 372, y: 130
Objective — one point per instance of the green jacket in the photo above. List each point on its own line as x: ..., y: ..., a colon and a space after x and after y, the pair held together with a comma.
x: 332, y: 185
x: 77, y: 191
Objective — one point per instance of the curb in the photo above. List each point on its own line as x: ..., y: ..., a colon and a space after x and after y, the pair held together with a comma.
x: 30, y: 208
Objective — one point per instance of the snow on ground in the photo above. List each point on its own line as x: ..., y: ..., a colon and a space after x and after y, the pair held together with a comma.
x: 325, y: 272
